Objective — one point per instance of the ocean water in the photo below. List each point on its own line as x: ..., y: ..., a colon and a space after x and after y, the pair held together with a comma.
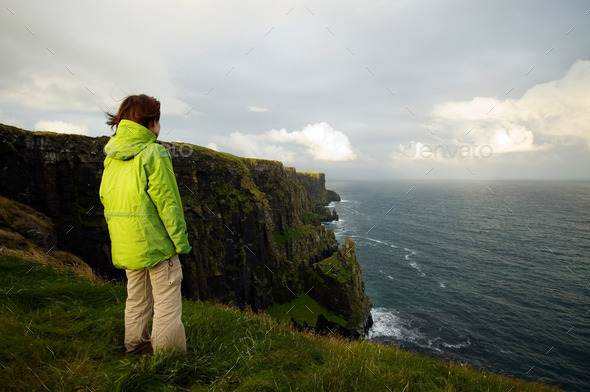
x: 495, y: 274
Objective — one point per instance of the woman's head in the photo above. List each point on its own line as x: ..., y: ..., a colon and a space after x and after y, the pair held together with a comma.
x: 141, y: 109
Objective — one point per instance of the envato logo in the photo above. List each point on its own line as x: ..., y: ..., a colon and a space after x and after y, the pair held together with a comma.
x: 426, y: 151
x: 174, y: 150
x: 182, y: 150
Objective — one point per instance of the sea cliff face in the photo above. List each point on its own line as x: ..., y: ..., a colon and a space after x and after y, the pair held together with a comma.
x: 254, y: 225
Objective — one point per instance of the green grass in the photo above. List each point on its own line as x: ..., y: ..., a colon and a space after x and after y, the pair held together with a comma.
x: 309, y: 218
x: 61, y: 332
x: 311, y: 174
x: 332, y: 266
x: 304, y: 310
x: 292, y: 233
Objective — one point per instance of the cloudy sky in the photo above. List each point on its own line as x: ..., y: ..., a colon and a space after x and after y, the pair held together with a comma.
x: 382, y: 90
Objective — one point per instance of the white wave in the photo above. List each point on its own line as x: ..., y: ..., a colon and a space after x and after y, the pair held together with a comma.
x: 391, y: 324
x: 412, y: 253
x: 431, y: 344
x: 458, y: 345
x: 415, y: 265
x: 389, y: 276
x: 442, y: 284
x: 386, y: 322
x: 377, y: 241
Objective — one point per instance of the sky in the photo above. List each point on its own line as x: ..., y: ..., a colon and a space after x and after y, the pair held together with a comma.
x: 382, y: 90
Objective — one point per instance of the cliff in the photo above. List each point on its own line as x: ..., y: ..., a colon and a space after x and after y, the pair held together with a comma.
x: 315, y: 185
x: 254, y: 228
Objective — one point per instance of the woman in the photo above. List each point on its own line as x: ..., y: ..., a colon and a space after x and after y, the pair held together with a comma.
x: 144, y: 214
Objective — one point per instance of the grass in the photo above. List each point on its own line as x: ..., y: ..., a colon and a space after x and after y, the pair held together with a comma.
x: 332, y: 266
x: 338, y: 266
x: 10, y: 216
x: 304, y: 310
x: 62, y: 332
x: 292, y: 233
x: 310, y: 173
x: 309, y: 218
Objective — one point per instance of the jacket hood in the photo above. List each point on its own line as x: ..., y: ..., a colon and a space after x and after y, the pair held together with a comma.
x: 131, y: 138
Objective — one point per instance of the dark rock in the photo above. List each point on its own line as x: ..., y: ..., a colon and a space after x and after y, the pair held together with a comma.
x: 332, y: 196
x: 24, y: 220
x: 341, y: 289
x: 315, y: 185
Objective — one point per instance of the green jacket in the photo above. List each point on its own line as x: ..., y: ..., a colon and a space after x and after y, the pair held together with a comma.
x: 142, y: 205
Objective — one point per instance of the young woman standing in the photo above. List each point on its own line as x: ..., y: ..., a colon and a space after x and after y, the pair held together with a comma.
x: 146, y: 224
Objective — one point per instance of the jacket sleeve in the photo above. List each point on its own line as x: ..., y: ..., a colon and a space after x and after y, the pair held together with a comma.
x: 163, y: 191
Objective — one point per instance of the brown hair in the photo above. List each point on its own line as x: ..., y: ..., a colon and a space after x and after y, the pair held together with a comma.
x: 141, y: 109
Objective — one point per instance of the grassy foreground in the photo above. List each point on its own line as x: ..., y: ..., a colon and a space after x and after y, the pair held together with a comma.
x: 62, y: 332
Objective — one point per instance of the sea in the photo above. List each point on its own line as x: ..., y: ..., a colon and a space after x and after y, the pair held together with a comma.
x: 495, y: 275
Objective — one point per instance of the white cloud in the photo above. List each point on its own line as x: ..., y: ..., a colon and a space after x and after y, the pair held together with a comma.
x: 48, y: 93
x: 10, y: 121
x: 257, y: 109
x: 254, y: 146
x: 62, y: 127
x: 52, y: 93
x: 561, y: 108
x: 515, y: 139
x: 323, y: 142
x: 557, y: 113
x: 212, y: 146
x: 320, y: 141
x: 501, y: 124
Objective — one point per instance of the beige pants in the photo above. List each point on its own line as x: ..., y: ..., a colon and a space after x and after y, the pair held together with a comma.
x: 158, y: 286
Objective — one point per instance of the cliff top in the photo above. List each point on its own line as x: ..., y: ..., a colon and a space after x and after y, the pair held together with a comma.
x: 310, y: 173
x: 178, y: 147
